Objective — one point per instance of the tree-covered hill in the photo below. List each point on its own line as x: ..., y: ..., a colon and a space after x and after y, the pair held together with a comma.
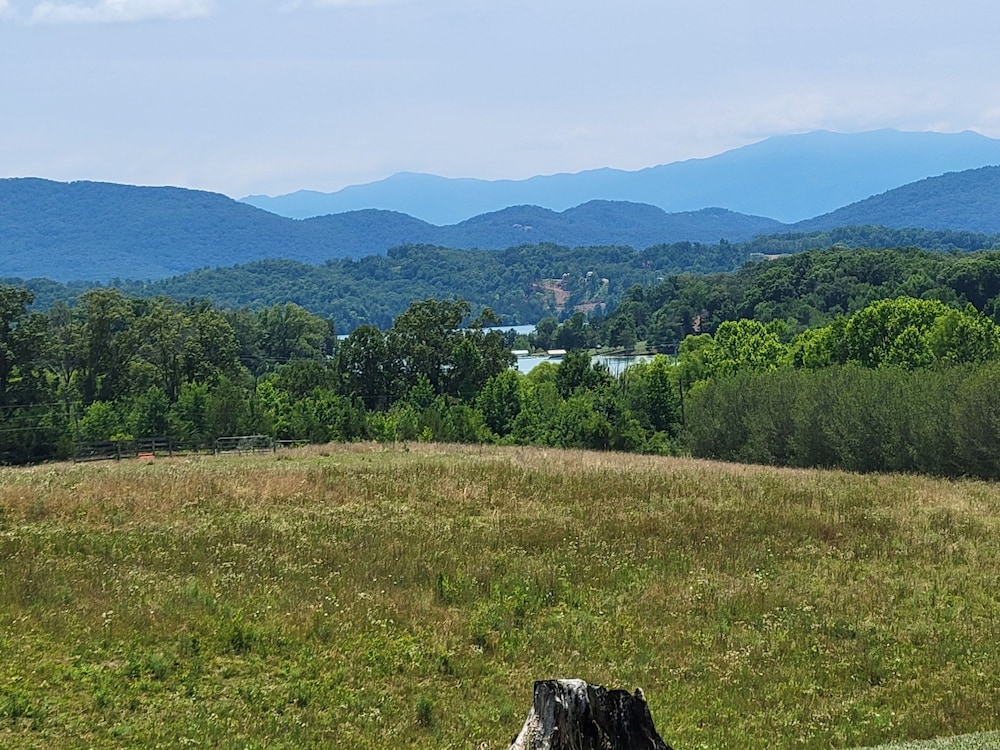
x: 522, y: 284
x: 603, y: 223
x: 968, y: 200
x: 100, y: 231
x: 801, y: 291
x: 96, y: 231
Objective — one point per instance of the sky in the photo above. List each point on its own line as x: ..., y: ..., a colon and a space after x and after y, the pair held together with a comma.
x: 273, y: 96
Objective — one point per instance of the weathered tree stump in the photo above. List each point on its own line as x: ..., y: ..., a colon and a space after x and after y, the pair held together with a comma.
x: 575, y: 715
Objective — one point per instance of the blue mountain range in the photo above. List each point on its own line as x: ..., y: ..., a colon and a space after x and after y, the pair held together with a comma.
x: 93, y: 231
x: 786, y: 178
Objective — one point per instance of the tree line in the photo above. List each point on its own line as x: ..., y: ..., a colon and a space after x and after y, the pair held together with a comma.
x: 904, y: 384
x: 901, y: 383
x: 113, y: 367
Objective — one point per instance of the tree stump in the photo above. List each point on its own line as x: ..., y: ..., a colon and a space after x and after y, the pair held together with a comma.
x: 575, y: 715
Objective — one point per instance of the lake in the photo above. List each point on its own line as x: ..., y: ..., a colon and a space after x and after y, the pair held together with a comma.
x: 616, y: 364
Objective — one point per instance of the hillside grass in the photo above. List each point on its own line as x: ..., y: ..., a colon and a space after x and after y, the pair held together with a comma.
x: 370, y: 596
x: 982, y: 741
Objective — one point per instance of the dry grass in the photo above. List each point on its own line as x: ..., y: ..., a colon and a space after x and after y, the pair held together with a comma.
x: 368, y: 596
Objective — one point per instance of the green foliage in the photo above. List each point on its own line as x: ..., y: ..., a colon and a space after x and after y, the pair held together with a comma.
x: 289, y: 332
x: 99, y: 422
x: 891, y: 332
x: 975, y: 422
x: 499, y: 402
x: 369, y: 366
x: 743, y: 345
x: 114, y: 366
x: 939, y: 421
x: 806, y: 290
x: 515, y: 283
x: 653, y: 395
x: 150, y: 413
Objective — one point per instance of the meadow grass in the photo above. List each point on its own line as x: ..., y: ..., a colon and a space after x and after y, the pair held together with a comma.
x: 408, y: 596
x: 980, y: 741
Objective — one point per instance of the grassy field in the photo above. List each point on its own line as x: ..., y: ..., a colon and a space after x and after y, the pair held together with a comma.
x: 981, y: 741
x: 370, y: 597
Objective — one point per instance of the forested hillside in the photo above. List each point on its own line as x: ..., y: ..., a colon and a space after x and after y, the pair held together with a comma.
x: 804, y: 290
x: 968, y: 200
x: 636, y: 225
x: 870, y: 360
x: 521, y: 284
x: 100, y: 231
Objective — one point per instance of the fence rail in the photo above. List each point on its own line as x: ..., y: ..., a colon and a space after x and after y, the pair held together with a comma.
x: 115, y: 450
x: 150, y: 447
x: 245, y: 444
x: 104, y: 450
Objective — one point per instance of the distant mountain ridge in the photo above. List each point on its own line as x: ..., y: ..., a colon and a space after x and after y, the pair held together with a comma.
x: 93, y: 231
x: 786, y: 178
x: 99, y: 231
x: 372, y: 231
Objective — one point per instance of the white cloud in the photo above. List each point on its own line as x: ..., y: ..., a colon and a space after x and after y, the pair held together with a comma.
x: 6, y: 9
x: 120, y: 11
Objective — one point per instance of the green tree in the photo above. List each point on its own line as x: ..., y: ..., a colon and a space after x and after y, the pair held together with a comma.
x: 465, y: 370
x: 545, y: 331
x: 573, y: 333
x: 577, y: 372
x: 150, y: 414
x: 871, y: 334
x: 100, y: 421
x: 289, y: 332
x: 975, y: 423
x: 368, y: 366
x: 499, y: 402
x: 423, y: 339
x: 622, y: 332
x: 22, y: 340
x: 30, y: 423
x: 107, y: 346
x: 652, y: 394
x: 160, y: 333
x: 540, y: 404
x: 964, y: 336
x: 210, y: 349
x: 230, y: 410
x: 188, y: 416
x: 739, y: 345
x: 63, y: 354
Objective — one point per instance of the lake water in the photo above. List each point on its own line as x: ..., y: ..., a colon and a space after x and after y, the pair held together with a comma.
x: 518, y: 330
x: 616, y: 364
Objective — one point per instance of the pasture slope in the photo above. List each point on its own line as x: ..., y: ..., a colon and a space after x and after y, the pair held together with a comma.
x: 407, y: 596
x: 982, y: 741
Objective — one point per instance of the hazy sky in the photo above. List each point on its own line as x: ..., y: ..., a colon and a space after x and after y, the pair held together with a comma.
x: 270, y: 96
